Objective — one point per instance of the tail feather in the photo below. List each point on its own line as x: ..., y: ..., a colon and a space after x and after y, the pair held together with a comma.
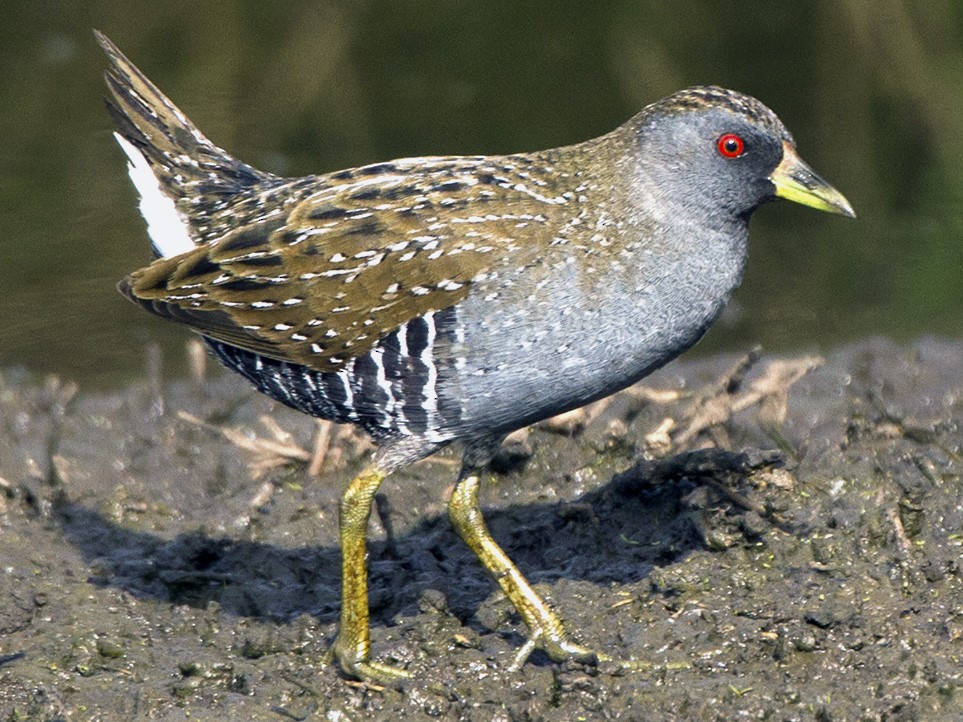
x: 183, y: 179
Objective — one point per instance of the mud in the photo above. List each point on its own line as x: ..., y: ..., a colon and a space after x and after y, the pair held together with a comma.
x: 145, y: 574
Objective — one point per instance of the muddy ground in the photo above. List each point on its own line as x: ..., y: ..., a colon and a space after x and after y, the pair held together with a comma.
x: 145, y: 573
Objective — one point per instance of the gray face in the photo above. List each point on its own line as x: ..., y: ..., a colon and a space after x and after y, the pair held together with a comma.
x: 714, y: 161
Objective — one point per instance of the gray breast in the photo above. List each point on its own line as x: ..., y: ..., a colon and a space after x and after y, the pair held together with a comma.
x: 555, y: 345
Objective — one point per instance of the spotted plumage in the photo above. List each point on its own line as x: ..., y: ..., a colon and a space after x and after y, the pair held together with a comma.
x: 441, y: 299
x: 358, y: 255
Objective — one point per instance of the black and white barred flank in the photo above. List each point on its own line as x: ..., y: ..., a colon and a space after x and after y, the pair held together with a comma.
x: 395, y: 390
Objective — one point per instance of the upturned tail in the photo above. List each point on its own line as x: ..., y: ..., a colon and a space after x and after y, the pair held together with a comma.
x: 185, y: 181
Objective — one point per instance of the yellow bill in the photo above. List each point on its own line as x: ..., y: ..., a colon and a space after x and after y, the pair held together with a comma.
x: 796, y: 181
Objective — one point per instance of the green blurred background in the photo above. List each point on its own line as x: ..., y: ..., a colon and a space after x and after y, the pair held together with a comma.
x: 872, y: 90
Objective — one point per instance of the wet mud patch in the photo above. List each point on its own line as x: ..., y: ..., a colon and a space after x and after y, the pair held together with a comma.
x: 152, y: 567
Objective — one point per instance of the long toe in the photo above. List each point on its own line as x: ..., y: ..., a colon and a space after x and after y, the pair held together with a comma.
x: 558, y: 649
x: 363, y: 669
x: 378, y: 673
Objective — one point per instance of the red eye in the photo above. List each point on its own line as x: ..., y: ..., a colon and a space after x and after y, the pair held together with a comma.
x: 731, y: 145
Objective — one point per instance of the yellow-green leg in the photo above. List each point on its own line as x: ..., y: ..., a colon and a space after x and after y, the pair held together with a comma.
x: 547, y: 631
x: 352, y: 648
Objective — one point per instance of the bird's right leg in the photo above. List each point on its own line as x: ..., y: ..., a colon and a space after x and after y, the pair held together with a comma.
x: 352, y: 648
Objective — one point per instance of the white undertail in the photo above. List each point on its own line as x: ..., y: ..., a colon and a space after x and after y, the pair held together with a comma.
x: 168, y: 230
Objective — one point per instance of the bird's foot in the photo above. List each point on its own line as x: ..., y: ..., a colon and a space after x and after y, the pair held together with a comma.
x: 558, y: 648
x: 358, y: 666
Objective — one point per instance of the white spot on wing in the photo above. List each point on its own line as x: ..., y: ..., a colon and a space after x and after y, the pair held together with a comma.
x: 165, y: 226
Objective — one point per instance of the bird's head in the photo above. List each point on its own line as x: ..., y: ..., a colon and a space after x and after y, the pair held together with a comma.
x: 725, y: 153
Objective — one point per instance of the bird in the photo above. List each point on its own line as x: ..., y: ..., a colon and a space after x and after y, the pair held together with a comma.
x: 446, y: 300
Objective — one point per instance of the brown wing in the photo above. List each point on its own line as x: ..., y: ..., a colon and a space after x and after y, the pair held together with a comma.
x: 365, y: 252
